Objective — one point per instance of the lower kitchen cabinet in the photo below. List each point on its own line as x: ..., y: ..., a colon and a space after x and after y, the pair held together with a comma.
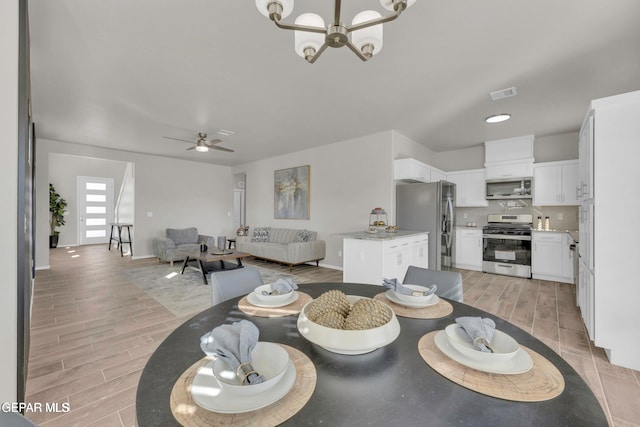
x: 369, y: 260
x: 586, y: 298
x: 469, y: 248
x: 551, y: 256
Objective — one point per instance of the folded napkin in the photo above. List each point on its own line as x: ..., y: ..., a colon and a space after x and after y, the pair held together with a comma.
x: 281, y: 286
x: 234, y: 344
x: 477, y: 327
x: 394, y: 285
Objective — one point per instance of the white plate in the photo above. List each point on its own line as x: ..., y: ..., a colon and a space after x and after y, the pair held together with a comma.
x: 253, y: 299
x: 208, y: 394
x: 518, y: 364
x: 393, y: 298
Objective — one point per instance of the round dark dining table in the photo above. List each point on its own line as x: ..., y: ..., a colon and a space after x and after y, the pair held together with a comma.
x: 389, y: 386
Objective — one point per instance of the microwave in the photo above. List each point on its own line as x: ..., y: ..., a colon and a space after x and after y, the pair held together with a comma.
x: 510, y: 188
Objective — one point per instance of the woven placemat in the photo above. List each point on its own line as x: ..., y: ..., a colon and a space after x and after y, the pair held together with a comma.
x: 436, y: 311
x: 189, y: 414
x: 542, y: 382
x: 294, y: 308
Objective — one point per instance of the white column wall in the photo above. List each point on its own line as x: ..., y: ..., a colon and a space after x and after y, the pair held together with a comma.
x: 9, y: 177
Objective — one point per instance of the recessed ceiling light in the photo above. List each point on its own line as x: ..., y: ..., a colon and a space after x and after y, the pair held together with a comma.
x: 225, y: 132
x: 497, y: 118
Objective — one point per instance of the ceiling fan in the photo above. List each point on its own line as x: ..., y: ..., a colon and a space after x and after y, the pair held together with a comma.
x: 202, y: 144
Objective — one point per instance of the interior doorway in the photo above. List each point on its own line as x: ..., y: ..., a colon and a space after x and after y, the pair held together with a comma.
x: 95, y: 209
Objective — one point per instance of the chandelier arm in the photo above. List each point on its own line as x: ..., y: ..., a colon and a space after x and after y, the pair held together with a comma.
x: 296, y: 27
x: 355, y: 50
x: 318, y: 53
x: 373, y: 22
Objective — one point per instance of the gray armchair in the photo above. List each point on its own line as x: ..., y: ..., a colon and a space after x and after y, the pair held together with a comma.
x: 449, y: 282
x: 179, y: 238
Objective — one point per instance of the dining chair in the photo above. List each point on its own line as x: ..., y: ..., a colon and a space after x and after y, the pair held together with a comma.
x: 449, y: 282
x: 227, y: 284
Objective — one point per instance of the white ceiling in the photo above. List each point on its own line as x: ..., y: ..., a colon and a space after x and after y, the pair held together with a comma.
x: 125, y: 73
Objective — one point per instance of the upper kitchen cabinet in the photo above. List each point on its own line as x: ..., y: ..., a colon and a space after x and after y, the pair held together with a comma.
x: 554, y: 183
x: 470, y: 187
x: 584, y: 187
x: 509, y: 158
x: 413, y: 170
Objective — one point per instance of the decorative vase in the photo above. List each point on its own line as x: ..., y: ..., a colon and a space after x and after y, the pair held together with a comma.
x: 222, y: 243
x: 203, y: 247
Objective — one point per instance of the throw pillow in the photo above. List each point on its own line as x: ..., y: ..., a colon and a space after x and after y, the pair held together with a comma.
x: 302, y: 236
x: 261, y: 234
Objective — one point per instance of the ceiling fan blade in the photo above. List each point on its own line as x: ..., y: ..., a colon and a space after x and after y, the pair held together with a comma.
x: 191, y: 148
x: 215, y: 147
x: 178, y: 139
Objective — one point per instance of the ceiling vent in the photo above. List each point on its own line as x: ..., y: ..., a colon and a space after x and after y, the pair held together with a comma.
x: 504, y: 93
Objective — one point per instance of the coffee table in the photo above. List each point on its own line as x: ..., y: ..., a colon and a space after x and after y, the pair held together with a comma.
x: 210, y: 257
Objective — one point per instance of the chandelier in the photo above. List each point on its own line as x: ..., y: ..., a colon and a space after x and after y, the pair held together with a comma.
x: 312, y: 36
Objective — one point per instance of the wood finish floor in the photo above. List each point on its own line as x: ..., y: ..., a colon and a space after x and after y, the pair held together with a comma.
x: 93, y: 331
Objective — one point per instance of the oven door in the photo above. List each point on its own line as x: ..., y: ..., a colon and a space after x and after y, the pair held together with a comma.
x: 507, y: 254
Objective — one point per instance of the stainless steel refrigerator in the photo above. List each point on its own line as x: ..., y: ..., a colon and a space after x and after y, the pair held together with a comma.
x: 430, y: 207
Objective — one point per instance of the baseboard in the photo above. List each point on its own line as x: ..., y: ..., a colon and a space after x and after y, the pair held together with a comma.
x: 44, y: 267
x: 143, y: 256
x: 333, y: 267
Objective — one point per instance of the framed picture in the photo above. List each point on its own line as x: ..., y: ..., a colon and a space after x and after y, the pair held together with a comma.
x: 291, y: 193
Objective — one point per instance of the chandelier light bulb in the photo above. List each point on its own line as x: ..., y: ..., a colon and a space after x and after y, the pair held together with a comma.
x: 306, y: 44
x: 285, y: 5
x: 368, y: 40
x: 390, y: 4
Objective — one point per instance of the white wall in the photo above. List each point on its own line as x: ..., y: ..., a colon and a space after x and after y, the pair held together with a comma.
x: 404, y: 148
x: 8, y: 218
x: 348, y: 179
x: 458, y: 160
x: 177, y: 193
x: 553, y: 148
x: 125, y: 204
x: 63, y: 172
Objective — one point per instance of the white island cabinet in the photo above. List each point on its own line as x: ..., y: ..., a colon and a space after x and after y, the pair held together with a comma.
x: 369, y: 258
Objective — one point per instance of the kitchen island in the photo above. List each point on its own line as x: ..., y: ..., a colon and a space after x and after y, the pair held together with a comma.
x: 371, y: 257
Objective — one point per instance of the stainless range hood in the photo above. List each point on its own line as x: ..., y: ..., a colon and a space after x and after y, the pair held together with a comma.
x: 510, y: 188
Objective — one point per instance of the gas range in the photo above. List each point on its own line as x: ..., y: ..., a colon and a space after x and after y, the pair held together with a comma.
x: 509, y: 225
x: 507, y: 245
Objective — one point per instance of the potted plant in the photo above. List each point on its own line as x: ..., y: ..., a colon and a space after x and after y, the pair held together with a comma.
x: 57, y: 206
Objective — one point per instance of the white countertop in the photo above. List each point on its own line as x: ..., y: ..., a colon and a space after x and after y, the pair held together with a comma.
x: 573, y: 233
x: 380, y: 235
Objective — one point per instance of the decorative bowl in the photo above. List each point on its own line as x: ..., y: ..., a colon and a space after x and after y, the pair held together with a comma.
x: 268, y: 359
x: 504, y: 347
x: 415, y: 299
x: 276, y: 298
x: 349, y: 341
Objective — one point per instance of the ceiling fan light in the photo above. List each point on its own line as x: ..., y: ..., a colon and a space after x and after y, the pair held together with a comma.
x: 263, y: 7
x: 497, y: 118
x: 201, y: 148
x: 389, y: 4
x: 368, y: 39
x: 303, y: 39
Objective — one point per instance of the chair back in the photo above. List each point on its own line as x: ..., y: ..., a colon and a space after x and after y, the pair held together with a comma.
x: 449, y: 282
x: 227, y: 284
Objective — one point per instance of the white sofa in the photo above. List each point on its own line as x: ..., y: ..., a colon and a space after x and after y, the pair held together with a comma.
x: 285, y: 245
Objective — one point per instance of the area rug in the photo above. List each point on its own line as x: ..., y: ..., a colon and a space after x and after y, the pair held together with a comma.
x: 185, y: 294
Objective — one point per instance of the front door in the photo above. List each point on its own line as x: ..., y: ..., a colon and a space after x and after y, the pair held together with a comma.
x: 95, y: 209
